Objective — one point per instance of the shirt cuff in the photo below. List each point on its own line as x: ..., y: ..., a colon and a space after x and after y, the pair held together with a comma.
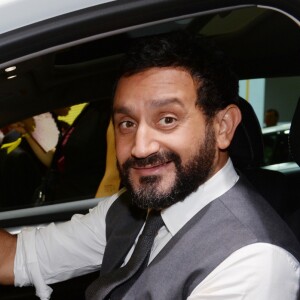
x: 26, y: 267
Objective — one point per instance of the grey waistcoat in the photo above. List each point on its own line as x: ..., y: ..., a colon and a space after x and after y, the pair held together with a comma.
x: 238, y: 218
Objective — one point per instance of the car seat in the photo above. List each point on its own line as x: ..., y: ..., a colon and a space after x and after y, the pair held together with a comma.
x: 294, y: 142
x: 20, y: 172
x: 110, y: 183
x: 294, y: 139
x: 247, y: 154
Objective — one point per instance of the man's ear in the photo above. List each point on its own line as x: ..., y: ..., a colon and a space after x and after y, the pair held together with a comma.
x: 226, y: 122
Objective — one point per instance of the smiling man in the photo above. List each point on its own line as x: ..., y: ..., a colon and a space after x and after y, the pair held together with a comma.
x: 207, y: 233
x: 153, y: 126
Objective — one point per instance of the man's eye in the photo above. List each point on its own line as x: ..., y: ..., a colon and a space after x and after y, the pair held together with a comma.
x: 126, y: 124
x: 167, y: 121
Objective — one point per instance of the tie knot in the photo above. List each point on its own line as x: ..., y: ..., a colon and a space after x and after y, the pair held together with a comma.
x: 153, y: 223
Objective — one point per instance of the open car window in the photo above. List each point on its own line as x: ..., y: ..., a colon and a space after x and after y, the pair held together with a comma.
x: 274, y: 101
x: 83, y: 69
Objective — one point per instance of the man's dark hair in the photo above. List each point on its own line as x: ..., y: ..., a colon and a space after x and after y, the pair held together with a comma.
x: 217, y: 83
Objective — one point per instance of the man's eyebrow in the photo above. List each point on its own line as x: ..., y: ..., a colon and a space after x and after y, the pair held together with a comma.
x: 121, y: 110
x: 165, y: 102
x: 156, y: 103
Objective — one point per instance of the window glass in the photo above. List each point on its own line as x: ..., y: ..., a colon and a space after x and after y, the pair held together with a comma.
x: 83, y: 76
x: 274, y: 101
x: 55, y: 156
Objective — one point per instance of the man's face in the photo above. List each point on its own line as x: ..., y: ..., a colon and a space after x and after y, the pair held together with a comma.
x: 165, y: 148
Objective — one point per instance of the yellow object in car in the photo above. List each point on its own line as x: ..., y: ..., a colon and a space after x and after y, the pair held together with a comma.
x: 110, y: 182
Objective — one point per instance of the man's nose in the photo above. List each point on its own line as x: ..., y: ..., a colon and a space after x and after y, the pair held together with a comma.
x: 145, y: 143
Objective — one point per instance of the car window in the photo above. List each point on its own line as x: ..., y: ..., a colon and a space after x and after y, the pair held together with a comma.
x: 274, y: 101
x: 30, y: 149
x: 86, y: 71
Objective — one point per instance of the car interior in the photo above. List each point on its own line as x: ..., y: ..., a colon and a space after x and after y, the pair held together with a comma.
x: 247, y: 153
x: 293, y: 218
x: 59, y: 63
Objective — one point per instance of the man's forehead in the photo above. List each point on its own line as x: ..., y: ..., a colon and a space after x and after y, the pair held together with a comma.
x: 152, y: 104
x: 156, y: 81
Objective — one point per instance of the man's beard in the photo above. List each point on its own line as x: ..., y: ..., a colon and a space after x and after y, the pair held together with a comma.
x: 187, y: 178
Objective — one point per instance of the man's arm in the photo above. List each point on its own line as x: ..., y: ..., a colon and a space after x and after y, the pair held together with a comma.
x: 8, y: 244
x: 257, y: 271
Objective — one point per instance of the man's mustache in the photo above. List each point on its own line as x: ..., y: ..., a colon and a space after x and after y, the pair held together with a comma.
x: 152, y: 160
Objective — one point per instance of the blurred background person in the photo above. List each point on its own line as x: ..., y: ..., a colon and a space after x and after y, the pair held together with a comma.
x: 271, y: 117
x: 75, y: 167
x: 77, y: 164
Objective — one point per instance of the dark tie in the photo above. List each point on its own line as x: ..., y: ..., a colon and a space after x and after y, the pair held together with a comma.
x: 116, y: 283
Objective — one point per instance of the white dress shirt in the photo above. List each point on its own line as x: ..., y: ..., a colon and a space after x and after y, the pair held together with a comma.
x: 61, y: 251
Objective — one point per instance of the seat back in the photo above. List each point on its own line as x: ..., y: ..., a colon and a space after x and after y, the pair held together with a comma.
x: 294, y: 142
x: 246, y: 149
x: 20, y: 172
x: 247, y: 153
x: 294, y: 138
x: 110, y: 183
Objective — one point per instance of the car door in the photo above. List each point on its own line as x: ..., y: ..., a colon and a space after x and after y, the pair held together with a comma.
x: 68, y: 53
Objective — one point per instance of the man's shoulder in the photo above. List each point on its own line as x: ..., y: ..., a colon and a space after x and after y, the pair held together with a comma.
x: 247, y: 208
x: 105, y: 203
x: 123, y: 210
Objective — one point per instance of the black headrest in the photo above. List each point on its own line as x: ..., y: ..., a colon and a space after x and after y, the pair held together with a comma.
x: 294, y: 138
x: 246, y: 149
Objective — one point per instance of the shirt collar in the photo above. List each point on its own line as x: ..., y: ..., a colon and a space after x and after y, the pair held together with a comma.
x: 177, y: 215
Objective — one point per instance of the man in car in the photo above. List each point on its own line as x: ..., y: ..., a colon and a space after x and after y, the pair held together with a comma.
x: 175, y: 112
